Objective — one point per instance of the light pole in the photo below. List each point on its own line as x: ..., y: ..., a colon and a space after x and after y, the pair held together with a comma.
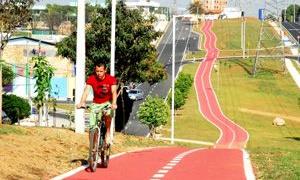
x: 173, y: 80
x: 80, y: 65
x: 298, y: 37
x: 294, y: 11
x: 112, y: 53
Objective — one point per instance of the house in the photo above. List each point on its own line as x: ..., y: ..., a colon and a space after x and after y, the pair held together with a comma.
x: 19, y: 52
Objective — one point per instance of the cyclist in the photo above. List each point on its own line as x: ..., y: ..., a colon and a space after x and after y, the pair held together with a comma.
x: 104, y: 88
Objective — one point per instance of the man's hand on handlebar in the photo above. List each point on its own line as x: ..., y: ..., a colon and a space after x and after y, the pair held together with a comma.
x: 113, y: 106
x: 80, y: 105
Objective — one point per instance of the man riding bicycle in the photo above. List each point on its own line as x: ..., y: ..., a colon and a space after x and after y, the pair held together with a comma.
x: 105, y: 93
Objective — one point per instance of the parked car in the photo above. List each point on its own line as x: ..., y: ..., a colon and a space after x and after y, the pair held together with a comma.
x: 5, y: 118
x: 135, y: 94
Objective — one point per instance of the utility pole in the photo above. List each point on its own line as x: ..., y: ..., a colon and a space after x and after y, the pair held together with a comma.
x: 80, y: 65
x: 294, y: 11
x: 112, y: 53
x: 243, y: 34
x: 271, y: 20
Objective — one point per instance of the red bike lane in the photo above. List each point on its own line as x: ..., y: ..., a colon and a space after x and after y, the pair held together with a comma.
x: 225, y: 160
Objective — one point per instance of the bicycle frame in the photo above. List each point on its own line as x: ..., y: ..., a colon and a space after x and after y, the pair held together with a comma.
x: 98, y: 148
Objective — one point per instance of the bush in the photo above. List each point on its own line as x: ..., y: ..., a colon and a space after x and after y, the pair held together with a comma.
x: 8, y: 75
x: 182, y: 86
x: 15, y: 107
x: 180, y: 99
x: 154, y: 112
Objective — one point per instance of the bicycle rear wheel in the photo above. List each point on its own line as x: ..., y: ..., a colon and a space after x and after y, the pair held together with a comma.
x: 94, y: 146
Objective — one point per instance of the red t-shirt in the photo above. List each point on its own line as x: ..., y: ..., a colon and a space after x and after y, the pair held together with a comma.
x: 101, y: 88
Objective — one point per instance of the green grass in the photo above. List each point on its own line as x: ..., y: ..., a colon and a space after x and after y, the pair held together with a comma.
x: 228, y: 32
x: 189, y: 123
x: 7, y: 129
x: 275, y: 151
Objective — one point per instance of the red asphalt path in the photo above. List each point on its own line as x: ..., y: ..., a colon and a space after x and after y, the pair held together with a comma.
x: 224, y: 161
x: 232, y: 135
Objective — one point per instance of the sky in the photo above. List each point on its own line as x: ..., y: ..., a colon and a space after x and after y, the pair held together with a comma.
x: 249, y: 6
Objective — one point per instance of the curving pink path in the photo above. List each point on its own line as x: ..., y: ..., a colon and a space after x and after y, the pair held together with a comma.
x: 225, y: 161
x: 231, y: 135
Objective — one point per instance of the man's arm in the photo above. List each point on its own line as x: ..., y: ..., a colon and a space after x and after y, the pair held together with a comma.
x: 114, y: 96
x: 84, y: 96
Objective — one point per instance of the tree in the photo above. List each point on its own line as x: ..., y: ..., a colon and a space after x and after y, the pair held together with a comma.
x: 290, y: 12
x: 8, y: 75
x: 196, y: 8
x: 13, y: 13
x: 56, y: 14
x: 43, y: 72
x: 154, y: 112
x: 15, y: 107
x: 135, y: 56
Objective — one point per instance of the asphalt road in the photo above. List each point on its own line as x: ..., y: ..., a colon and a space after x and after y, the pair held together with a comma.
x: 185, y: 39
x: 293, y: 28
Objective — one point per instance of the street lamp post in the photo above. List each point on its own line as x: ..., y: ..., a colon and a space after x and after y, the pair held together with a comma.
x: 173, y: 78
x: 80, y: 66
x: 298, y: 37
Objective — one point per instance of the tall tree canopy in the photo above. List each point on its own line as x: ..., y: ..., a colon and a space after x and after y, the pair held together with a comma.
x: 13, y: 13
x: 290, y: 12
x: 196, y: 8
x: 135, y: 55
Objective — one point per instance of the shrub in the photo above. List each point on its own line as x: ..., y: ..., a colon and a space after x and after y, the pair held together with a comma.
x: 179, y: 99
x: 154, y: 112
x: 15, y: 107
x: 182, y: 86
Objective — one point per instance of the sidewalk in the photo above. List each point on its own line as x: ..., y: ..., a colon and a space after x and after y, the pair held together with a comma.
x: 288, y: 63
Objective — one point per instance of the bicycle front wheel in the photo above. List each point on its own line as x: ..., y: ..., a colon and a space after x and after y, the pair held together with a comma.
x: 94, y: 146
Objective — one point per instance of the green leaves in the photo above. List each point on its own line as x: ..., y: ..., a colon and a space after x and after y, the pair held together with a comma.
x: 135, y: 57
x: 154, y: 112
x: 43, y: 72
x: 13, y: 13
x: 7, y: 75
x: 182, y: 86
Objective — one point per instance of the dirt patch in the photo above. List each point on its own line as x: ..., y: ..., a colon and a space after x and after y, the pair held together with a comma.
x: 262, y: 113
x: 43, y: 153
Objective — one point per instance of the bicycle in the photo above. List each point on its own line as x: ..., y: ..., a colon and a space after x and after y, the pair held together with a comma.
x: 100, y: 148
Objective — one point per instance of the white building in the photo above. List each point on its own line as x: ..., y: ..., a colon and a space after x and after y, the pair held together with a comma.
x: 231, y: 12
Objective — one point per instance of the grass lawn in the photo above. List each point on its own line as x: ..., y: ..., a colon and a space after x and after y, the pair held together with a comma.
x: 189, y: 123
x: 274, y: 151
x: 42, y: 153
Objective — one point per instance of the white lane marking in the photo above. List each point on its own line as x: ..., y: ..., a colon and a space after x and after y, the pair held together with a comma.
x: 167, y: 167
x: 164, y: 170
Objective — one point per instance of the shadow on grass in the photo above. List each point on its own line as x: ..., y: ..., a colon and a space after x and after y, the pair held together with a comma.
x: 294, y: 138
x: 244, y: 65
x: 82, y: 161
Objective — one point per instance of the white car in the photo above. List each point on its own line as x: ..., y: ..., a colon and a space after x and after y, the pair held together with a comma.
x: 135, y: 94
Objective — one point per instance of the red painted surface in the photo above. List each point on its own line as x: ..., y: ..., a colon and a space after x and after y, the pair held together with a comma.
x: 225, y: 161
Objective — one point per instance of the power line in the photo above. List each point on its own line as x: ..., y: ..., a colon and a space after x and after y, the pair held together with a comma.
x: 270, y: 20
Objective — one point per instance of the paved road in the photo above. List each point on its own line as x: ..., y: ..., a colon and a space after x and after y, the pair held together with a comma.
x: 293, y: 28
x: 184, y: 39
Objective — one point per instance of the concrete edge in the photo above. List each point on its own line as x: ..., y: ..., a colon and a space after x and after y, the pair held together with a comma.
x: 247, y: 166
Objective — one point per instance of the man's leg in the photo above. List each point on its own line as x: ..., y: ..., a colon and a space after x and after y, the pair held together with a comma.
x: 107, y: 124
